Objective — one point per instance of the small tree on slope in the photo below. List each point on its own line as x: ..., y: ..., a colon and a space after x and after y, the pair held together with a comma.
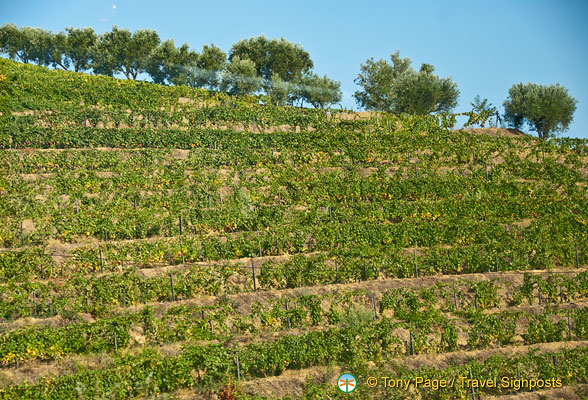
x: 546, y: 109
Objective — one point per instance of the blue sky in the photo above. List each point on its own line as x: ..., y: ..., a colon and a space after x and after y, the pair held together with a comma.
x: 485, y: 46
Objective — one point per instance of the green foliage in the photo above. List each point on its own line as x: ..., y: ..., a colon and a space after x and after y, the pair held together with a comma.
x: 492, y: 330
x: 168, y: 64
x: 399, y: 88
x: 546, y: 109
x: 240, y: 77
x: 377, y: 78
x: 25, y: 44
x: 481, y: 111
x: 542, y: 329
x: 78, y: 47
x: 285, y: 70
x: 320, y: 92
x: 205, y: 72
x: 486, y: 294
x: 120, y: 51
x: 423, y: 93
x: 333, y: 202
x: 5, y: 110
x: 71, y: 49
x: 273, y: 57
x: 277, y: 90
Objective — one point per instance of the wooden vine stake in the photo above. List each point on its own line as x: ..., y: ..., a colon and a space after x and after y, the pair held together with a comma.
x: 182, y: 250
x: 455, y: 297
x: 115, y: 338
x: 411, y: 343
x: 539, y: 296
x: 101, y: 259
x: 237, y: 362
x: 569, y: 327
x: 253, y: 271
x: 471, y: 385
x: 364, y: 272
x: 288, y: 314
x: 416, y: 266
x: 373, y: 297
x: 286, y: 273
x: 171, y: 282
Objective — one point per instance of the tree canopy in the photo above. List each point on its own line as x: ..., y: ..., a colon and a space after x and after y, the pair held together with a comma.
x: 205, y: 72
x: 167, y: 64
x: 320, y: 92
x: 398, y: 88
x: 281, y: 69
x: 122, y: 51
x: 546, y: 109
x: 273, y: 57
x: 26, y: 44
x: 240, y: 77
x: 78, y: 45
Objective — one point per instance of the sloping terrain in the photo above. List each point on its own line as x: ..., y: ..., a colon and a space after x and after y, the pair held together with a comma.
x: 166, y: 242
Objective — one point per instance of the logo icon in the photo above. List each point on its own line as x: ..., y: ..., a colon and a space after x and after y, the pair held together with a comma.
x: 346, y: 383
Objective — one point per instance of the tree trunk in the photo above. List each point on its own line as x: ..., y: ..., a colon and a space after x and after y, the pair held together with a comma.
x: 541, y: 133
x: 62, y: 66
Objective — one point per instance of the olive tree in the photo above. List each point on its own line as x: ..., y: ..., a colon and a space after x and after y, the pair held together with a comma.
x: 205, y: 72
x: 398, y: 88
x: 240, y: 77
x: 545, y: 109
x: 321, y: 92
x: 120, y: 51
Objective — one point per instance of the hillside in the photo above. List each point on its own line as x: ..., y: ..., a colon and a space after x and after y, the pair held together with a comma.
x: 167, y: 242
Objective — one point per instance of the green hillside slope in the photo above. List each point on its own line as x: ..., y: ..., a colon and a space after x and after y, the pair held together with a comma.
x: 166, y: 242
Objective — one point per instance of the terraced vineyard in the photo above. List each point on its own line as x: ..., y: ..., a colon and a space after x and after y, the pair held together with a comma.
x: 164, y: 242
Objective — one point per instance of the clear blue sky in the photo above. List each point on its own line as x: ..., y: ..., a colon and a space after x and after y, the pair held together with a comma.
x: 485, y: 46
